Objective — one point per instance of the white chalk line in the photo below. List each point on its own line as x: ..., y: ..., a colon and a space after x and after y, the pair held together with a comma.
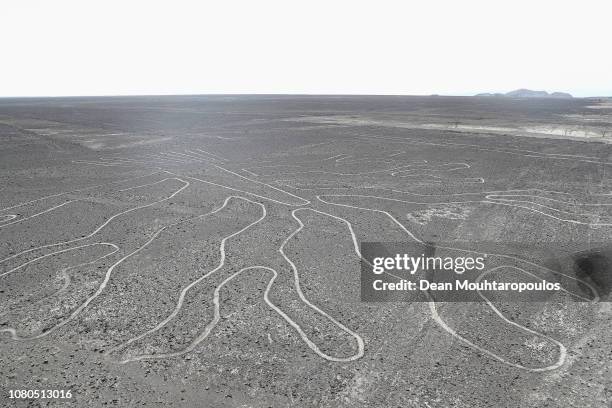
x: 211, y: 154
x: 369, y: 158
x: 496, y: 202
x: 492, y: 195
x: 104, y: 164
x: 296, y: 276
x: 509, y: 200
x: 170, y: 157
x: 337, y: 159
x: 439, y: 179
x: 176, y: 157
x: 208, y: 159
x: 105, y: 223
x: 64, y: 276
x: 143, y: 185
x: 13, y: 331
x: 510, y: 150
x: 146, y: 158
x: 425, y: 195
x: 106, y: 278
x: 436, y: 317
x: 282, y: 174
x: 518, y: 152
x: 576, y: 204
x: 425, y: 166
x: 75, y: 191
x: 192, y: 157
x: 302, y: 200
x: 571, y: 221
x: 243, y: 191
x: 486, y: 192
x: 67, y: 280
x: 415, y: 168
x: 141, y: 160
x: 249, y: 172
x: 117, y: 160
x: 186, y: 289
x: 395, y: 221
x: 38, y: 214
x: 202, y: 336
x: 203, y: 156
x: 562, y: 349
x: 338, y: 217
x: 433, y: 167
x: 442, y: 323
x: 50, y: 254
x: 212, y: 324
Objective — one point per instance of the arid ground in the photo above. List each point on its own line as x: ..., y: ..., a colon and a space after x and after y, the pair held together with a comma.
x: 204, y: 251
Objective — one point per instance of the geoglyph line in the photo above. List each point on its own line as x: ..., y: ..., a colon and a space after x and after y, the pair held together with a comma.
x: 105, y: 223
x: 210, y: 326
x: 211, y: 154
x: 75, y: 191
x: 491, y: 197
x: 38, y: 214
x: 203, y: 156
x: 518, y: 152
x: 436, y: 317
x: 496, y: 202
x: 13, y: 331
x: 296, y: 276
x: 402, y: 227
x: 186, y: 289
x: 247, y: 192
x: 107, y: 276
x: 304, y: 201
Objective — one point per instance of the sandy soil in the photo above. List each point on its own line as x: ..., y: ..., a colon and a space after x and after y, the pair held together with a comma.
x: 204, y: 251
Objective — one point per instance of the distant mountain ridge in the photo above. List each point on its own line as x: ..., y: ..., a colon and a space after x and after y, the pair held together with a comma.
x: 528, y: 93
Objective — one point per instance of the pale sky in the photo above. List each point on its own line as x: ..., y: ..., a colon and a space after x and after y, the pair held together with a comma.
x: 127, y: 47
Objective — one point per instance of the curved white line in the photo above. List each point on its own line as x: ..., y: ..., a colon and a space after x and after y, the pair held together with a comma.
x: 436, y: 317
x: 496, y: 202
x: 402, y: 227
x: 13, y: 332
x: 518, y: 152
x: 216, y: 318
x: 75, y: 191
x: 186, y: 289
x: 38, y: 214
x: 296, y: 281
x: 105, y: 223
x: 243, y: 191
x: 303, y: 201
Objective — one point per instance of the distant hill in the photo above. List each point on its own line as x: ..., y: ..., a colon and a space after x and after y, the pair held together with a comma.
x: 528, y: 93
x: 490, y: 94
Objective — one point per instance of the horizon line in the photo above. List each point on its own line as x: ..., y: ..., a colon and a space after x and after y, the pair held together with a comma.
x: 279, y: 94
